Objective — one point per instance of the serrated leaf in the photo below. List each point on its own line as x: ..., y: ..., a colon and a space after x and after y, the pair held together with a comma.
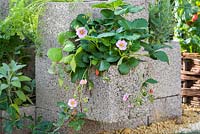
x: 121, y: 11
x: 162, y: 56
x: 61, y: 104
x: 107, y: 13
x: 67, y: 59
x: 55, y: 54
x: 135, y: 9
x: 82, y: 18
x: 132, y: 62
x: 152, y: 81
x: 21, y: 95
x: 120, y: 61
x: 73, y: 64
x: 75, y: 24
x: 112, y: 58
x: 104, y: 65
x: 60, y: 82
x: 130, y: 37
x: 61, y: 38
x: 135, y: 46
x: 112, y: 4
x: 109, y: 34
x: 139, y: 24
x: 124, y: 68
x: 125, y: 24
x: 69, y: 46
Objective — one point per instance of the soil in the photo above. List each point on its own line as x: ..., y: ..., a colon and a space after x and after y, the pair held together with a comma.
x: 190, y: 115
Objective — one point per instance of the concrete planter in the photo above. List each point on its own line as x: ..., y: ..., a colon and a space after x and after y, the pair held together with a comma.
x: 107, y: 111
x: 30, y: 110
x: 4, y: 7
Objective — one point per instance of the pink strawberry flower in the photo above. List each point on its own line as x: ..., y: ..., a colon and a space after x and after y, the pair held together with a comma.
x: 83, y: 82
x: 130, y: 106
x: 121, y: 44
x: 125, y: 97
x: 81, y: 32
x: 72, y: 103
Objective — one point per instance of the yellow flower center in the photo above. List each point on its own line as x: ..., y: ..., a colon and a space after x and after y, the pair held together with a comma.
x: 72, y: 103
x: 82, y: 32
x: 121, y: 45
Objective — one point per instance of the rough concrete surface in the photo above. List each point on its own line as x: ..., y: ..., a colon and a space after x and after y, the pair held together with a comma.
x: 54, y: 21
x: 160, y: 110
x: 4, y: 5
x: 105, y: 104
x: 167, y: 75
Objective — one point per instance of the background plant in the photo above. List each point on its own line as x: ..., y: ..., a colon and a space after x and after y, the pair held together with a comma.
x: 19, y: 29
x: 15, y: 91
x: 188, y: 24
x: 161, y: 21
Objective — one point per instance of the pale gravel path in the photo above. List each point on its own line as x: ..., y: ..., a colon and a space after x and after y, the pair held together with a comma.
x: 192, y: 129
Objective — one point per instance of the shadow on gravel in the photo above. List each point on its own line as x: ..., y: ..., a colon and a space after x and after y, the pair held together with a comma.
x: 192, y: 132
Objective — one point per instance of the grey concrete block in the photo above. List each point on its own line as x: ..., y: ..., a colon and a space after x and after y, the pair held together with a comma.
x: 4, y: 8
x: 160, y: 110
x: 165, y: 108
x: 106, y: 107
x: 55, y: 21
x: 91, y: 126
x: 168, y: 75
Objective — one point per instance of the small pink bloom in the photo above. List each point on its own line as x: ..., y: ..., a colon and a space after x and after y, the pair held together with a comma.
x: 121, y: 44
x: 72, y: 103
x: 81, y: 32
x: 83, y: 82
x: 125, y: 97
x: 130, y: 106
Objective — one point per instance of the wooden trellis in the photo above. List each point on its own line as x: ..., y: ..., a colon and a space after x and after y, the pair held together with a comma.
x: 190, y: 78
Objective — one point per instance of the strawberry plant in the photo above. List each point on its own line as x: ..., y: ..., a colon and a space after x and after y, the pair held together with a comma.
x: 99, y: 43
x: 188, y: 26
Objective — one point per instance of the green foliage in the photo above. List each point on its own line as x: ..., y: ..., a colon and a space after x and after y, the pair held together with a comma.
x: 187, y: 29
x: 98, y: 49
x: 145, y: 94
x: 15, y: 91
x: 20, y: 28
x: 55, y: 54
x: 38, y: 126
x: 161, y: 21
x: 74, y: 118
x: 14, y: 48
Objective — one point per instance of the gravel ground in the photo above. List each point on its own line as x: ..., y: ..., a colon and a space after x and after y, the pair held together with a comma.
x: 188, y: 124
x: 192, y: 128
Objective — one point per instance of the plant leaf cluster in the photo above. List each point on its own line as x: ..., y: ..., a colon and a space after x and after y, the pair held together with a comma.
x: 15, y: 91
x: 98, y: 49
x: 161, y: 21
x: 187, y: 31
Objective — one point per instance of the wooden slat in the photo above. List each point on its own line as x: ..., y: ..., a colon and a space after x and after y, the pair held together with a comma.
x: 190, y: 92
x: 189, y: 73
x: 188, y: 77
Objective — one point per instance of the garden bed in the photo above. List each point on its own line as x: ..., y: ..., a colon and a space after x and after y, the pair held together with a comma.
x: 190, y: 116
